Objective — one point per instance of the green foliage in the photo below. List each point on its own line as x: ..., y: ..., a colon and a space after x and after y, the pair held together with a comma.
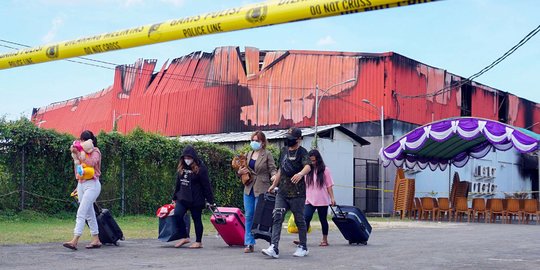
x: 140, y: 163
x: 26, y: 150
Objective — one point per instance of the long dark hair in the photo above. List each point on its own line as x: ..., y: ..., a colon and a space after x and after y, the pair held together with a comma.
x: 183, y: 166
x: 189, y: 151
x: 88, y: 135
x: 318, y: 168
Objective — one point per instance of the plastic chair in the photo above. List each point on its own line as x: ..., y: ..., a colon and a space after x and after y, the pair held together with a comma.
x: 530, y: 209
x: 415, y: 211
x: 496, y: 208
x: 428, y: 206
x: 444, y: 208
x: 512, y: 209
x: 479, y: 208
x: 462, y: 207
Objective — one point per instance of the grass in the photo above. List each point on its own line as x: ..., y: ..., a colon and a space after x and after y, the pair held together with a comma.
x: 28, y: 227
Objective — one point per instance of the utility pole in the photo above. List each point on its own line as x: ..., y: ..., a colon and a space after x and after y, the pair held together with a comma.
x: 315, y: 144
x: 381, y: 169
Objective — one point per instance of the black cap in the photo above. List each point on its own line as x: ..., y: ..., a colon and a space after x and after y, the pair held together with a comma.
x: 294, y: 133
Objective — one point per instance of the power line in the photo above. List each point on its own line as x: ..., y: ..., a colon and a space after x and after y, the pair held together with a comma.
x: 186, y: 78
x: 27, y: 46
x: 482, y: 71
x: 131, y: 69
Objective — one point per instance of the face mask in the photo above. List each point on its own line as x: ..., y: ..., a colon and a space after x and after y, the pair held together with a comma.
x: 255, y: 145
x: 290, y: 142
x: 188, y: 161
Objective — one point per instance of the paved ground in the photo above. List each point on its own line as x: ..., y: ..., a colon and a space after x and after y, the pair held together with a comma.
x: 393, y: 245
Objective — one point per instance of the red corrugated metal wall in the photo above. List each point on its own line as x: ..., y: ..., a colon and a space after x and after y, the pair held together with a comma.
x: 227, y: 90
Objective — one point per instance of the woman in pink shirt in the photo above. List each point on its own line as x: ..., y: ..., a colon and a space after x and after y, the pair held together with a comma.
x: 319, y: 193
x: 88, y: 191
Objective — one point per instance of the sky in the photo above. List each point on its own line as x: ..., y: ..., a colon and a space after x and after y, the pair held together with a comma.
x: 460, y: 36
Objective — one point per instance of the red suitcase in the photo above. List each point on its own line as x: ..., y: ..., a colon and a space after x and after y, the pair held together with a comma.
x: 230, y: 224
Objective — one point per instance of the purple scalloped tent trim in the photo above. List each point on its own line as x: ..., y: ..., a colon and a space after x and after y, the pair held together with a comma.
x: 498, y: 135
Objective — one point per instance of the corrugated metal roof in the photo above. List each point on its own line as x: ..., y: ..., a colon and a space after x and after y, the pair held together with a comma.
x: 270, y: 135
x: 246, y: 136
x: 226, y: 91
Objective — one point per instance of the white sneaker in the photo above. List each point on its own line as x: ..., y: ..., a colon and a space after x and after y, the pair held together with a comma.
x: 271, y: 252
x: 300, y: 252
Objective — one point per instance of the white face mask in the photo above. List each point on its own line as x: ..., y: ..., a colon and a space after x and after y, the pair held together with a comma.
x: 188, y: 161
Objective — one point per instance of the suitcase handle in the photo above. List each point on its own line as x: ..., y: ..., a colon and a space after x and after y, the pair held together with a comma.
x: 269, y: 197
x: 220, y: 219
x: 340, y: 212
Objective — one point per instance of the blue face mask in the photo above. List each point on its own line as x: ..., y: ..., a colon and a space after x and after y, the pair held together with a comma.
x: 255, y: 145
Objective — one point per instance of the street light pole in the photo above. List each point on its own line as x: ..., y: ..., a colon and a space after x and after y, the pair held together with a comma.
x: 315, y: 144
x: 116, y: 118
x: 381, y: 168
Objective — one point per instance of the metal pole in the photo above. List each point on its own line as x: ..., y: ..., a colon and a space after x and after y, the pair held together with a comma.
x: 113, y: 120
x: 449, y: 179
x: 123, y: 190
x: 382, y: 166
x: 315, y: 145
x: 22, y: 178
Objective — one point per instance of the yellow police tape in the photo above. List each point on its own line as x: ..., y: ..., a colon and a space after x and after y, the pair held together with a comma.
x: 249, y: 16
x: 364, y: 188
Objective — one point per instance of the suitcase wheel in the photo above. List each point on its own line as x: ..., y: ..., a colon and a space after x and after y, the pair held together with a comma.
x: 358, y: 243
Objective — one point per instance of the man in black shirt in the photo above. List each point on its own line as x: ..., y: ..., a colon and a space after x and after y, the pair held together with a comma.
x: 293, y: 165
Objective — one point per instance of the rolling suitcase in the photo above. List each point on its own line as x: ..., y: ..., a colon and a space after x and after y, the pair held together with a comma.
x: 230, y: 224
x: 352, y: 224
x: 263, y: 217
x: 109, y: 231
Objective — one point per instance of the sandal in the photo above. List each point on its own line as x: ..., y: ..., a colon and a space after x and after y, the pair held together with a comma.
x: 249, y: 249
x: 69, y: 245
x: 91, y: 246
x: 182, y: 242
x: 323, y: 244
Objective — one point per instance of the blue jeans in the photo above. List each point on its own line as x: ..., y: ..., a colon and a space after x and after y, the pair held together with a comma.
x: 250, y: 201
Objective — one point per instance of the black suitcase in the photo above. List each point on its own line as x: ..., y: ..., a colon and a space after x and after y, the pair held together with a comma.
x: 352, y: 224
x: 109, y: 231
x: 168, y: 228
x: 263, y: 217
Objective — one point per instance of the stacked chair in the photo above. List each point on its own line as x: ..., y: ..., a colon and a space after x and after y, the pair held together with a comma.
x: 459, y: 189
x: 403, y: 194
